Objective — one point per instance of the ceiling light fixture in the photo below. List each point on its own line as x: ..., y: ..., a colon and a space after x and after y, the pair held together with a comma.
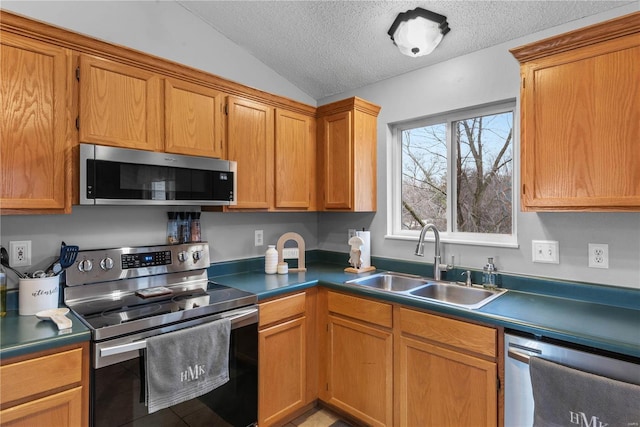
x: 417, y: 32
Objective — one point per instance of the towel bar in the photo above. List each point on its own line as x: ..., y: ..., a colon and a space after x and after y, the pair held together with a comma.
x: 236, y: 316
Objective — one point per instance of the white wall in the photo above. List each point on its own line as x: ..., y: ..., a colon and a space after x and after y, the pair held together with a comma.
x: 164, y: 29
x: 482, y: 77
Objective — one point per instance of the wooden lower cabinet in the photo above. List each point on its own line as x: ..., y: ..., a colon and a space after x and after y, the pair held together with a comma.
x: 385, y: 364
x: 60, y: 409
x: 286, y: 380
x: 445, y: 371
x: 357, y: 362
x: 440, y: 387
x: 47, y: 389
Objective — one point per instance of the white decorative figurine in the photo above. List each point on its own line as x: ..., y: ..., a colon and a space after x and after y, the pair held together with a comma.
x: 356, y: 243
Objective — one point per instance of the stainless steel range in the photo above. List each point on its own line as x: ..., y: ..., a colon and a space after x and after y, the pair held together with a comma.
x: 127, y: 295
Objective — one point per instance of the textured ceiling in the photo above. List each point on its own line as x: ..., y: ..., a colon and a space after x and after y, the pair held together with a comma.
x: 328, y: 47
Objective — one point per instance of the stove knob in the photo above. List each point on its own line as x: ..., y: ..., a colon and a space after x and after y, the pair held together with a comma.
x: 106, y: 264
x: 85, y: 265
x: 197, y: 255
x: 183, y: 256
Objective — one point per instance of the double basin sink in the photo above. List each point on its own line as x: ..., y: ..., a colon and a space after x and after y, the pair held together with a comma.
x: 470, y: 297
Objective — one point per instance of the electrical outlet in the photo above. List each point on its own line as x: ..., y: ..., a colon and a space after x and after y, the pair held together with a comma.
x: 259, y: 235
x: 598, y: 255
x: 545, y: 251
x: 20, y: 255
x: 352, y: 232
x: 288, y: 253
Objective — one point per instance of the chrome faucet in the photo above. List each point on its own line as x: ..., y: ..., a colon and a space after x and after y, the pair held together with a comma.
x: 437, y: 267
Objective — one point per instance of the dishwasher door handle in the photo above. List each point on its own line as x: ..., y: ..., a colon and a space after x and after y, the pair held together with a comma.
x: 520, y: 357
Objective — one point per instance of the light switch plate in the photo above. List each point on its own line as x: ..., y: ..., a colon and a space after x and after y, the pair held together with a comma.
x: 545, y: 251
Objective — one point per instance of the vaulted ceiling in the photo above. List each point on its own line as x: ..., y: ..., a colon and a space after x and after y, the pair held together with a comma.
x: 328, y: 47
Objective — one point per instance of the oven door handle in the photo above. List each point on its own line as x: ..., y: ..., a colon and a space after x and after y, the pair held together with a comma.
x: 238, y: 316
x: 235, y: 316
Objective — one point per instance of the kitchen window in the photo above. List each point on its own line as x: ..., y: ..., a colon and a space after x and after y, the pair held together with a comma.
x: 455, y: 170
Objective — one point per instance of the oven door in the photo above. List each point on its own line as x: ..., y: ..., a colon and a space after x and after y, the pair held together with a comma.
x: 117, y: 381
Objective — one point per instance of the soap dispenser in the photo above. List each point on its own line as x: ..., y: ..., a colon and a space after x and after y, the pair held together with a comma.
x: 489, y: 274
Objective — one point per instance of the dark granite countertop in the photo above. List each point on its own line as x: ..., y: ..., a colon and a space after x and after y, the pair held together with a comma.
x: 594, y: 324
x: 601, y: 326
x: 21, y: 335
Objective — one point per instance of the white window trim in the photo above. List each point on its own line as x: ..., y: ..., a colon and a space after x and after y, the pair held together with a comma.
x: 394, y: 183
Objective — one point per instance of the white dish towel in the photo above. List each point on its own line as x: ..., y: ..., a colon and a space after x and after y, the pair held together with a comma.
x: 185, y: 364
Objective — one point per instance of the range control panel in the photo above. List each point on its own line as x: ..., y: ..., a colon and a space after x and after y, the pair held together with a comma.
x: 147, y: 259
x: 103, y: 265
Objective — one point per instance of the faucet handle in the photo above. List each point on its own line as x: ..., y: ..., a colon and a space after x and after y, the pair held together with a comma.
x: 468, y: 281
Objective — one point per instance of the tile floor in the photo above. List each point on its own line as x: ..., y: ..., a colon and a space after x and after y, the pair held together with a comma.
x: 317, y: 417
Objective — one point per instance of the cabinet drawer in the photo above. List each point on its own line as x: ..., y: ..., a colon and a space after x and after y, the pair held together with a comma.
x: 30, y: 377
x: 282, y: 308
x: 456, y: 333
x: 379, y: 313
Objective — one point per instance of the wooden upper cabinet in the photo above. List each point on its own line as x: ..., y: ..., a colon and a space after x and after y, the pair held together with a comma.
x: 347, y: 135
x: 193, y: 119
x: 35, y: 142
x: 295, y: 161
x: 250, y: 142
x: 120, y: 105
x: 580, y: 119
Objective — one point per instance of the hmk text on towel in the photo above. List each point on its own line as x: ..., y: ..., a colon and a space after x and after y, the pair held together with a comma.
x: 192, y: 373
x: 581, y: 419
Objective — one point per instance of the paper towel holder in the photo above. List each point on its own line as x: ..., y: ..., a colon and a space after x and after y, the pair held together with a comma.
x: 300, y: 241
x: 356, y: 268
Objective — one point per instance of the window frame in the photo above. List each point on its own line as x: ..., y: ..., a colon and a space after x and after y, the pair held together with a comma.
x: 394, y: 177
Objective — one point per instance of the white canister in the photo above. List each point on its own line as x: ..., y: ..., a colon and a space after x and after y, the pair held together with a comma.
x: 35, y: 295
x: 283, y: 268
x: 271, y: 260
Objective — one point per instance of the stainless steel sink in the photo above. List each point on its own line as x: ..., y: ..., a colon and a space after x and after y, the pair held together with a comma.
x: 455, y: 294
x: 394, y: 282
x: 429, y: 289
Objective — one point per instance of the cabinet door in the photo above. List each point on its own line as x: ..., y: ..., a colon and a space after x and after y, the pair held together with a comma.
x: 441, y: 387
x: 35, y: 147
x: 581, y: 127
x: 295, y: 158
x: 282, y: 370
x: 62, y: 409
x: 250, y: 138
x: 193, y: 119
x: 338, y: 160
x: 119, y: 105
x: 359, y: 370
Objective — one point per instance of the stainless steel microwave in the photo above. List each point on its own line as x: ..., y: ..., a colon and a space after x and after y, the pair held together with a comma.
x: 121, y: 176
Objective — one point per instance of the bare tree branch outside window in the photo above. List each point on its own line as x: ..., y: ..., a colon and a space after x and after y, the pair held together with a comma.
x: 483, y: 175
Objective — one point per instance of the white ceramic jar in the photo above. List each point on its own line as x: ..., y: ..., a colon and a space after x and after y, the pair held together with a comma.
x: 271, y: 260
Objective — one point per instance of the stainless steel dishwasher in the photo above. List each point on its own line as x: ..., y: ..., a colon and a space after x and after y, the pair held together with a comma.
x: 518, y: 411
